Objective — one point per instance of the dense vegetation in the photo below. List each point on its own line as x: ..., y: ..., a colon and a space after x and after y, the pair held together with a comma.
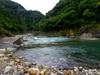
x: 14, y: 18
x: 73, y: 15
x: 67, y: 16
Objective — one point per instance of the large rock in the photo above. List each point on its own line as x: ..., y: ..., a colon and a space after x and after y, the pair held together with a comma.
x: 18, y: 41
x: 87, y: 36
x: 96, y: 34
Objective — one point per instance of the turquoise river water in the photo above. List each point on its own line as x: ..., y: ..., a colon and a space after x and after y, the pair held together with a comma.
x: 70, y: 52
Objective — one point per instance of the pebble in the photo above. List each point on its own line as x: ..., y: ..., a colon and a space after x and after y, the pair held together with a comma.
x: 53, y: 73
x: 18, y: 66
x: 33, y: 71
x: 43, y: 72
x: 27, y: 63
x: 2, y: 55
x: 68, y: 72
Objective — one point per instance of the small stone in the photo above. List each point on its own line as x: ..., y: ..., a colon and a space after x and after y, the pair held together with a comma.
x: 10, y: 55
x: 90, y: 72
x: 80, y: 68
x: 60, y: 72
x: 43, y: 72
x: 12, y: 62
x: 75, y: 69
x: 5, y: 58
x: 53, y: 73
x: 2, y: 55
x: 9, y: 70
x: 96, y: 72
x: 22, y: 45
x: 2, y: 50
x: 26, y: 73
x: 68, y: 72
x: 21, y: 57
x: 28, y: 63
x: 17, y: 61
x: 33, y: 71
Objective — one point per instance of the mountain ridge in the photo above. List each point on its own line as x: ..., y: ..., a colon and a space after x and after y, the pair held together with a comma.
x: 73, y: 16
x: 14, y: 18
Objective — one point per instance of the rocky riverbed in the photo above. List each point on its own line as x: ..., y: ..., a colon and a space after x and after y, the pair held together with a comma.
x: 13, y: 65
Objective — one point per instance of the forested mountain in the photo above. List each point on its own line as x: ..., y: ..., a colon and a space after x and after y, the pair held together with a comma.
x: 14, y: 18
x: 75, y: 15
x: 67, y: 16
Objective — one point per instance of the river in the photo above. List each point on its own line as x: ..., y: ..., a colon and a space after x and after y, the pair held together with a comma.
x: 70, y: 52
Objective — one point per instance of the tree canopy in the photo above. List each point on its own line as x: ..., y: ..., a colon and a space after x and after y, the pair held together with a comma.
x: 14, y: 18
x: 75, y: 15
x: 81, y: 15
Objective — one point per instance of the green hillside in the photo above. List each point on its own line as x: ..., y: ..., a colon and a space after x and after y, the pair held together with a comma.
x: 68, y: 17
x: 15, y: 19
x: 73, y: 15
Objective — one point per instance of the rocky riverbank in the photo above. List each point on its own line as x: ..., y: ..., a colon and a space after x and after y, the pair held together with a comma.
x: 12, y: 65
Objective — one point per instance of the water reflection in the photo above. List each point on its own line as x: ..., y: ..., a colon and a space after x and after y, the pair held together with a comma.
x: 50, y: 55
x: 72, y: 52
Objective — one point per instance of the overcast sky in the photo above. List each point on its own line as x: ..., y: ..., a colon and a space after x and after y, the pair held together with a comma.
x: 40, y: 5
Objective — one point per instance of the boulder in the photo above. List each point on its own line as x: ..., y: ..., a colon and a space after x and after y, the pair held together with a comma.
x: 96, y: 34
x: 87, y: 36
x: 18, y: 41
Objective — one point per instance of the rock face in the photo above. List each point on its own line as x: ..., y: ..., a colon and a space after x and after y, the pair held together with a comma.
x: 97, y: 34
x: 88, y: 36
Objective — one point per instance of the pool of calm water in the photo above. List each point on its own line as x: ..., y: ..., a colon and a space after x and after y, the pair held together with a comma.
x: 71, y: 52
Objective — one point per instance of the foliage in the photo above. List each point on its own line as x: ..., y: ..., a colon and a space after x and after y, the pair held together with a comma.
x: 72, y: 15
x: 67, y: 16
x: 14, y: 18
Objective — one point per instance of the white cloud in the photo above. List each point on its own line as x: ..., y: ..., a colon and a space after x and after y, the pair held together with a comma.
x: 40, y: 5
